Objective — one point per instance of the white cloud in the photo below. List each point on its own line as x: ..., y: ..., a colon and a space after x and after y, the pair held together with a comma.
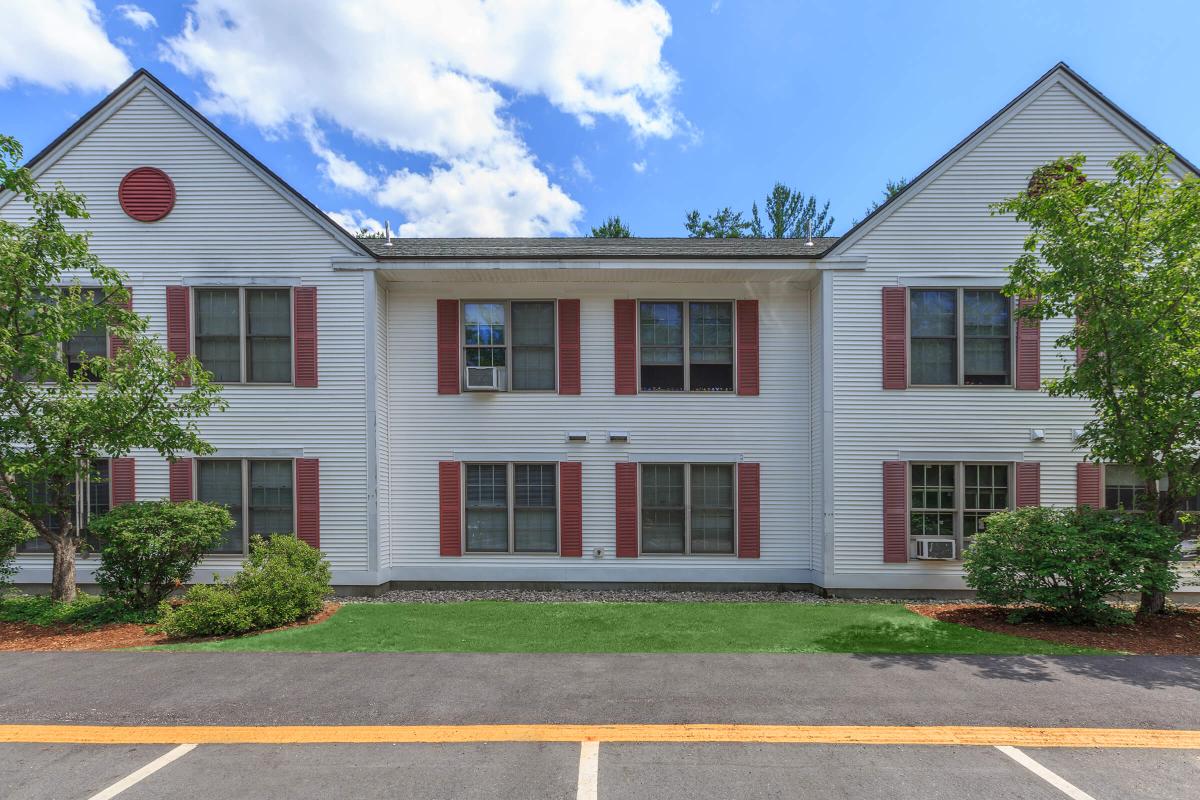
x: 639, y: 166
x: 434, y: 80
x: 354, y: 220
x: 580, y: 168
x: 136, y: 15
x: 60, y: 44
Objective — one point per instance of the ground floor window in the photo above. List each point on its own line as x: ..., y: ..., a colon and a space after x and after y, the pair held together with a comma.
x: 92, y: 495
x: 952, y: 499
x: 1123, y: 488
x: 511, y: 508
x: 259, y: 494
x: 687, y: 508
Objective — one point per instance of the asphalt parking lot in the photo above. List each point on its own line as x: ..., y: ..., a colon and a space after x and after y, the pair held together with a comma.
x: 619, y: 770
x: 574, y: 701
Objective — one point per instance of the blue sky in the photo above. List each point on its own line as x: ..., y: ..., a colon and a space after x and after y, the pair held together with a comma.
x: 515, y: 120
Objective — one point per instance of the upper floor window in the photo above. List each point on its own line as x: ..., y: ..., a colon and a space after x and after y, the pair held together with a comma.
x: 89, y: 342
x: 92, y: 498
x: 686, y: 346
x: 511, y: 508
x: 687, y: 508
x: 953, y: 499
x: 516, y: 337
x: 259, y: 494
x: 960, y: 337
x: 244, y: 335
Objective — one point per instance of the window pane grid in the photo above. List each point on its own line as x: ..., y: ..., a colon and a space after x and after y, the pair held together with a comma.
x: 986, y: 491
x: 712, y: 508
x: 932, y: 502
x: 98, y: 501
x: 484, y: 334
x: 1123, y: 488
x: 663, y: 508
x: 535, y: 508
x: 986, y: 338
x: 87, y: 343
x: 271, y: 498
x: 487, y: 508
x: 660, y: 337
x: 532, y: 346
x: 220, y: 481
x: 268, y: 335
x: 947, y: 348
x: 218, y: 333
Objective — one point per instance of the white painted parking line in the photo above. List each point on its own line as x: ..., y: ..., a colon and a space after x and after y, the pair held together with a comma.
x: 1063, y: 785
x: 589, y: 771
x: 143, y: 773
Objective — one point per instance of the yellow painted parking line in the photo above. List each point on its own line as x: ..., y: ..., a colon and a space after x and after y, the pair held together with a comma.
x: 436, y: 734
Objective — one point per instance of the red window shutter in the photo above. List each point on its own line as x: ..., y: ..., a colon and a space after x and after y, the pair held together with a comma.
x: 1087, y: 485
x: 179, y: 478
x: 1029, y: 484
x: 748, y: 514
x: 304, y: 333
x: 179, y: 324
x: 625, y: 347
x: 568, y: 347
x: 122, y: 484
x: 895, y: 339
x: 450, y: 507
x: 627, y: 509
x: 308, y: 501
x: 747, y: 347
x: 447, y: 347
x: 115, y: 343
x: 1029, y: 351
x: 570, y: 520
x: 895, y: 512
x: 1079, y: 351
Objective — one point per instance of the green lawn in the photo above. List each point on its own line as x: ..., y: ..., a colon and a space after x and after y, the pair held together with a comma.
x: 504, y: 627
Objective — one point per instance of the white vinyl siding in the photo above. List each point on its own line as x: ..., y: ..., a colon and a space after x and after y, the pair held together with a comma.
x: 772, y: 429
x: 945, y: 236
x: 228, y: 224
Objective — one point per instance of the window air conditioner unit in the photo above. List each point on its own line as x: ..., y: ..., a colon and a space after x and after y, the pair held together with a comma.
x: 485, y: 379
x: 935, y: 548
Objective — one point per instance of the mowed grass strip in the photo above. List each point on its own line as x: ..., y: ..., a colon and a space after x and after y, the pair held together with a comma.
x: 507, y: 627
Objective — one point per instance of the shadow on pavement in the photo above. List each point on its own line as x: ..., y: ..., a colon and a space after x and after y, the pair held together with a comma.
x: 1147, y: 672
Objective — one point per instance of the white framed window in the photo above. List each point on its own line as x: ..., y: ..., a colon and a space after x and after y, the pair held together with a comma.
x: 688, y: 509
x: 960, y: 337
x: 1123, y: 489
x: 244, y: 334
x: 685, y: 346
x: 260, y: 495
x: 952, y: 499
x: 92, y: 490
x: 515, y: 336
x: 510, y: 508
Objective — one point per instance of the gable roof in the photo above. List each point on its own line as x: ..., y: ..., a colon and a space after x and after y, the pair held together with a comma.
x: 143, y: 78
x: 591, y: 249
x: 1059, y: 73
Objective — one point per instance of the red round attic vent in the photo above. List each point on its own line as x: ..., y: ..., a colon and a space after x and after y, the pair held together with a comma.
x: 146, y: 194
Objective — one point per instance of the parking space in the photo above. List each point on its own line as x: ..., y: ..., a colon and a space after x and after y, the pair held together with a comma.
x: 614, y: 771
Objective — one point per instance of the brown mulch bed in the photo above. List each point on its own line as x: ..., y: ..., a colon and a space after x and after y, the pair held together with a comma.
x: 21, y: 636
x: 1175, y: 634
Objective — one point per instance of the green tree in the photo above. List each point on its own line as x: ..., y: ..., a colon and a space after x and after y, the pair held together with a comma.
x: 890, y: 190
x: 1123, y: 257
x: 611, y: 228
x: 790, y: 215
x: 725, y: 224
x: 57, y: 420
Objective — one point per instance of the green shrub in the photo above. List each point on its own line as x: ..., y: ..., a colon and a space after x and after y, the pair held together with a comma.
x: 282, y: 581
x: 13, y: 531
x: 1070, y: 561
x: 151, y: 548
x: 85, y: 612
x: 207, y: 610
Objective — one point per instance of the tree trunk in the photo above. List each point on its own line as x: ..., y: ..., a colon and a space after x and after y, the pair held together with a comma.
x: 62, y: 581
x: 1165, y: 507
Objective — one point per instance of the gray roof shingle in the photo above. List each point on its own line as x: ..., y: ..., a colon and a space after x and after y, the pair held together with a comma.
x: 589, y: 249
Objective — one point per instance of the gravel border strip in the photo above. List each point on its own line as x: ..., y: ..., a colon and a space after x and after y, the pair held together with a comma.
x: 583, y: 596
